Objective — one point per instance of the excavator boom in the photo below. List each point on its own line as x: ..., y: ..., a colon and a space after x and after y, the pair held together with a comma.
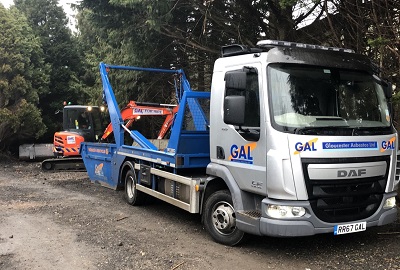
x: 134, y: 110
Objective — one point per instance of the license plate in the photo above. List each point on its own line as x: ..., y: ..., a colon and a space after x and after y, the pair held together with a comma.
x: 350, y: 228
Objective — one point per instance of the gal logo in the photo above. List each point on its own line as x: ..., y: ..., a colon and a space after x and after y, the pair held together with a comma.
x: 388, y: 145
x: 242, y: 153
x: 307, y: 146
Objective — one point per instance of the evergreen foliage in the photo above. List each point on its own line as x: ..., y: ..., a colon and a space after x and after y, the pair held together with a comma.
x: 61, y: 54
x: 23, y: 78
x: 42, y: 63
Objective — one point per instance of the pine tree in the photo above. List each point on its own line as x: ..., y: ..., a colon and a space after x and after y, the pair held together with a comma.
x: 22, y: 79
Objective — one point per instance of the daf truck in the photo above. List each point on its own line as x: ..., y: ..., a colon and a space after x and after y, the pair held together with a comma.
x: 292, y: 140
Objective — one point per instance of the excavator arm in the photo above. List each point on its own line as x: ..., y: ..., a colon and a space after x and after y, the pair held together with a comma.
x: 134, y: 110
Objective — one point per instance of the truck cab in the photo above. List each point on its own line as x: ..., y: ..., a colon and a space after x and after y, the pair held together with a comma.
x: 306, y: 134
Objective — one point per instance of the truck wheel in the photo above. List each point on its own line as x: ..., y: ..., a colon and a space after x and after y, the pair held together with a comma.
x: 220, y: 219
x: 132, y: 195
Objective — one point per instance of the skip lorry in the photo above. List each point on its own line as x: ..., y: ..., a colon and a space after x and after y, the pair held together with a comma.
x: 292, y: 140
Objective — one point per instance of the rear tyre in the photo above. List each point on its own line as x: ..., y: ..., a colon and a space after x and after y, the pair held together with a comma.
x: 220, y: 219
x: 132, y: 195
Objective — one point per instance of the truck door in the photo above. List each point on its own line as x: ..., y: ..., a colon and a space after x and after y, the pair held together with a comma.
x: 240, y: 142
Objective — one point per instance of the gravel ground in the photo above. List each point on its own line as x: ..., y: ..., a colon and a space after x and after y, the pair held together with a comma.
x: 60, y: 220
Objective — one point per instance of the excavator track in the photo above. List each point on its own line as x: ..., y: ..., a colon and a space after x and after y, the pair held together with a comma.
x: 63, y: 164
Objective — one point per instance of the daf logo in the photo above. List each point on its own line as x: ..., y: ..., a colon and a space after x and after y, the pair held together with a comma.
x: 351, y: 173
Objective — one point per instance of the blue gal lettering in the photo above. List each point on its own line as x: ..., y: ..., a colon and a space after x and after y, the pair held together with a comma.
x: 308, y: 146
x: 388, y: 145
x: 242, y: 152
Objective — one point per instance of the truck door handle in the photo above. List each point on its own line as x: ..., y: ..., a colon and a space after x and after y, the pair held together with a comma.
x: 220, y: 152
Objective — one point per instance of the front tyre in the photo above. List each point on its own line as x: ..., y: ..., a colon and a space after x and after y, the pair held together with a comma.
x: 132, y: 195
x: 220, y: 219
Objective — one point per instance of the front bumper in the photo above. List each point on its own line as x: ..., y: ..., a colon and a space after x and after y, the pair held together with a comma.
x: 309, y: 224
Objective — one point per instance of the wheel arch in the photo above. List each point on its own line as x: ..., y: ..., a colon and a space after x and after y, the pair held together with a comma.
x: 212, y: 185
x: 126, y: 166
x: 223, y: 180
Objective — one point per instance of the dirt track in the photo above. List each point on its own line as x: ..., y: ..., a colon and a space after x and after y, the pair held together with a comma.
x: 62, y: 221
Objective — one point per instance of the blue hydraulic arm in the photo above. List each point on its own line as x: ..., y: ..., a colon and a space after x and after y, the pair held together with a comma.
x: 115, y: 114
x: 113, y: 109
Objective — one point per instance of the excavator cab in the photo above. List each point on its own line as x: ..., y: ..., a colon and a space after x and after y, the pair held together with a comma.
x: 80, y: 124
x: 83, y: 120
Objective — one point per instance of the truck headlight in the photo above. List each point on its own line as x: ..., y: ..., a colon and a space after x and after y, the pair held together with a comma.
x: 390, y: 203
x: 283, y: 211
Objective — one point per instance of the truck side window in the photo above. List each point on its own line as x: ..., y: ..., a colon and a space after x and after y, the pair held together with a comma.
x: 250, y: 129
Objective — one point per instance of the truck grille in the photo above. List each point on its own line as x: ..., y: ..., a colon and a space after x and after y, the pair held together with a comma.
x: 342, y: 200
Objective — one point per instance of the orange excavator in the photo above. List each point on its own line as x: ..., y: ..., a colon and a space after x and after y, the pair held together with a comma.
x: 84, y: 123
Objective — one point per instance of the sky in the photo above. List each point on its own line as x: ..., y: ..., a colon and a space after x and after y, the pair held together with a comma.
x: 64, y: 3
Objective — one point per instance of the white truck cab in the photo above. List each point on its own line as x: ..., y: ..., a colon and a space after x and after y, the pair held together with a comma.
x: 302, y: 135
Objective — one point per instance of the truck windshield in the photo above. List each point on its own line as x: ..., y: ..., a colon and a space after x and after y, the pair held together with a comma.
x: 326, y: 101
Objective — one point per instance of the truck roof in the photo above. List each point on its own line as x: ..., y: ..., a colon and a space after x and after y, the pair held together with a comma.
x: 294, y: 53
